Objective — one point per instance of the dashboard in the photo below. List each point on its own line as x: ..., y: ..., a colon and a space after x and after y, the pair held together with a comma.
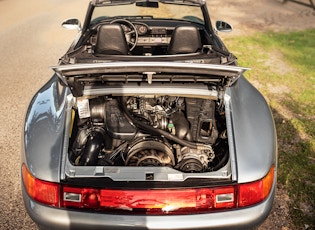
x: 152, y: 36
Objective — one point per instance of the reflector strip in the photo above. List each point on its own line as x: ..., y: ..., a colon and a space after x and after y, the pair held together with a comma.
x: 225, y: 198
x: 166, y: 201
x: 73, y: 197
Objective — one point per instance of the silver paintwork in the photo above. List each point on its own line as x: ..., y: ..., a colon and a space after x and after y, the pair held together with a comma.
x: 44, y: 130
x: 229, y: 127
x: 253, y: 131
x: 72, y: 24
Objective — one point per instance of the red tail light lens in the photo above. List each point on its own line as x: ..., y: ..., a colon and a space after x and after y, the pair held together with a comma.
x: 151, y: 201
x: 41, y: 191
x: 81, y: 197
x: 255, y: 192
x: 166, y: 200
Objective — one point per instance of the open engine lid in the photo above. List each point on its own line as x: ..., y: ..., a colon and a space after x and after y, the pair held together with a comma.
x: 78, y: 76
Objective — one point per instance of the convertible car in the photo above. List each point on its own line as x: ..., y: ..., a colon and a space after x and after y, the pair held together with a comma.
x: 148, y: 123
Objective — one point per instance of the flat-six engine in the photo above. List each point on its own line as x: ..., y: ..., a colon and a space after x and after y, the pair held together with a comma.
x: 168, y: 131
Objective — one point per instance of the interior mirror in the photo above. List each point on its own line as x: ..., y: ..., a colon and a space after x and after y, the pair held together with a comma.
x: 72, y: 24
x: 223, y: 26
x: 148, y: 4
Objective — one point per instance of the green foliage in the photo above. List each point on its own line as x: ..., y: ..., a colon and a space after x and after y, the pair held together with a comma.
x: 283, y: 69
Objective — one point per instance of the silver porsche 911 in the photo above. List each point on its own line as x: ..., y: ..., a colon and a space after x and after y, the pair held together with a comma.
x: 148, y: 123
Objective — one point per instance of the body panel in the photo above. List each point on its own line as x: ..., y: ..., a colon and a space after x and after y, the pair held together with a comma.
x: 44, y: 131
x: 254, y: 131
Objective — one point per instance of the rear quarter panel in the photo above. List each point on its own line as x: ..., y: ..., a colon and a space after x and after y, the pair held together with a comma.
x: 254, y: 132
x: 43, y: 131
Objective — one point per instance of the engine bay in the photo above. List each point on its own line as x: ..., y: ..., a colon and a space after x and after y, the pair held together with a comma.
x: 183, y: 133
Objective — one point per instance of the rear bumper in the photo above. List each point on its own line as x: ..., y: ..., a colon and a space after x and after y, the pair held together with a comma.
x: 53, y: 218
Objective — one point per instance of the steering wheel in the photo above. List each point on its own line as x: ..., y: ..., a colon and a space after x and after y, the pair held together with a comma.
x: 131, y: 35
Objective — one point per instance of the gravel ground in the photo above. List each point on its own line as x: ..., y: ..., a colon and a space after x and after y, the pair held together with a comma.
x: 31, y: 40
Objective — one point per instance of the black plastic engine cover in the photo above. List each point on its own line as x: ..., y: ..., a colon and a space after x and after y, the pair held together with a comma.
x: 116, y: 123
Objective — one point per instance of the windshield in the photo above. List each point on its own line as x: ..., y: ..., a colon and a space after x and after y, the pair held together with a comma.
x: 160, y: 11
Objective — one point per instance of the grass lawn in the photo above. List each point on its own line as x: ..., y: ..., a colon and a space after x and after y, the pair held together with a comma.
x: 283, y: 69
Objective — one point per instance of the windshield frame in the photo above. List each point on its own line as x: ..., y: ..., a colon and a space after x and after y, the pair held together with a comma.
x: 119, y: 2
x: 201, y: 3
x: 165, y: 11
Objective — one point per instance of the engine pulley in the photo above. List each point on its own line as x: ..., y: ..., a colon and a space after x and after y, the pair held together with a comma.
x: 194, y: 160
x: 152, y: 152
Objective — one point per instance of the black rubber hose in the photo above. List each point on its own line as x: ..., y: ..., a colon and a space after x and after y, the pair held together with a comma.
x: 150, y: 129
x: 223, y: 160
x: 221, y: 163
x: 92, y: 149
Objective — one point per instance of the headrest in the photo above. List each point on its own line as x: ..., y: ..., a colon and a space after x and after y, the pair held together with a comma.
x: 185, y: 39
x: 111, y: 40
